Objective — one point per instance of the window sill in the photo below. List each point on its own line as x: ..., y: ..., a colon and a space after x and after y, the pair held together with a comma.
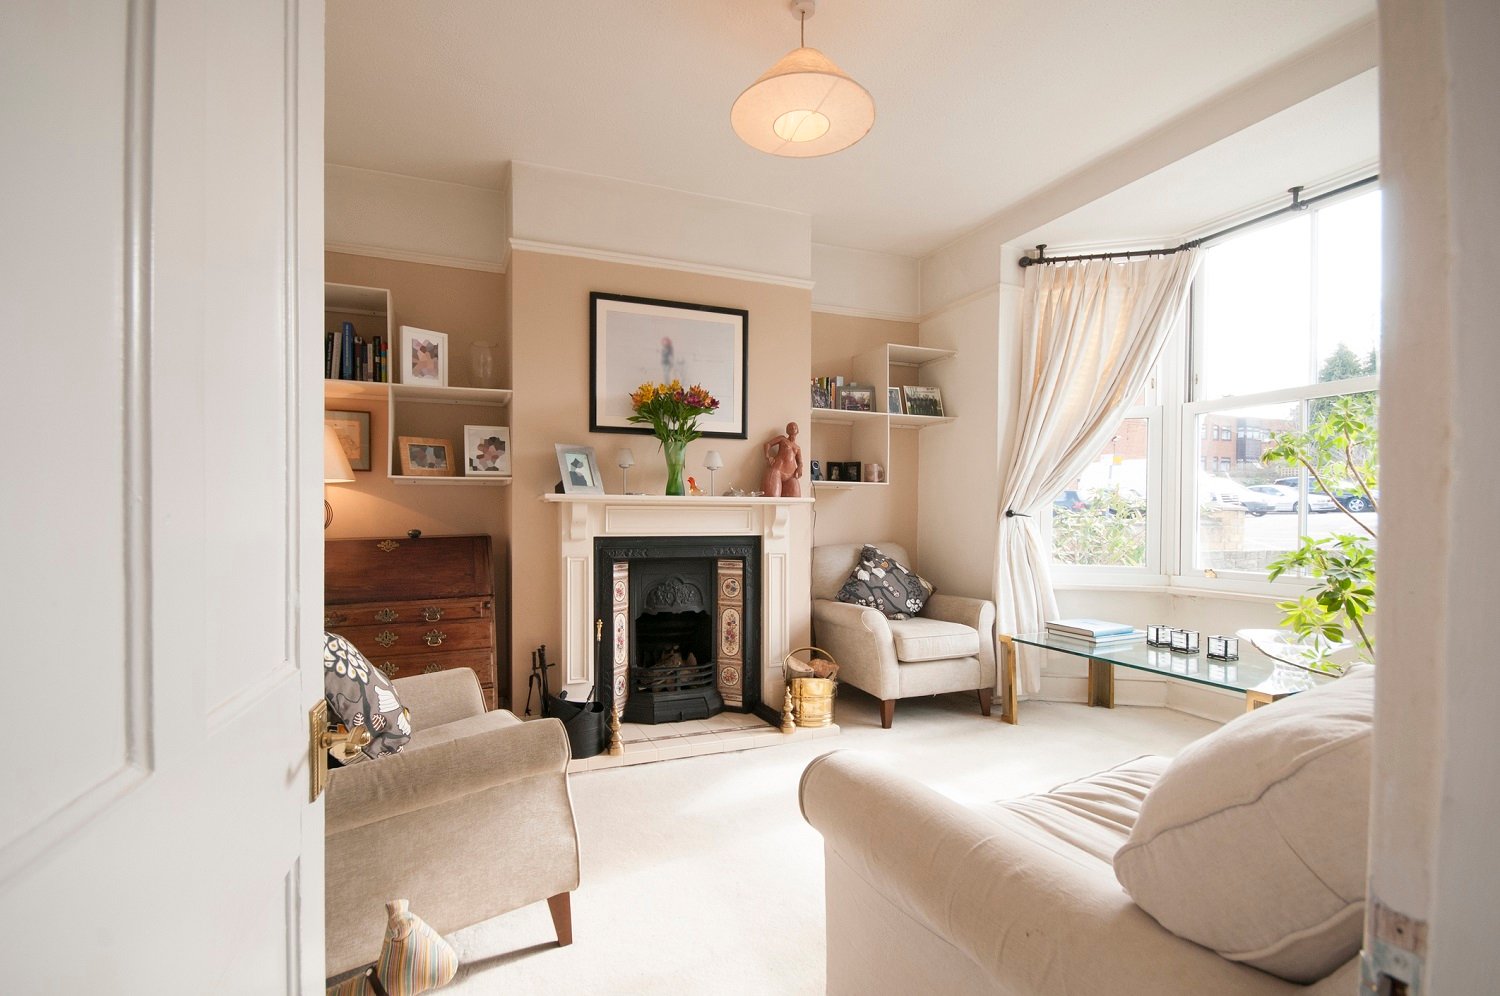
x: 1185, y: 587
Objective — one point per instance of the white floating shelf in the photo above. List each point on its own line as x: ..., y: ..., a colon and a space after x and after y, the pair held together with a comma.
x: 918, y: 421
x: 492, y: 482
x: 838, y: 416
x: 354, y: 390
x: 846, y: 485
x: 917, y: 356
x: 423, y: 394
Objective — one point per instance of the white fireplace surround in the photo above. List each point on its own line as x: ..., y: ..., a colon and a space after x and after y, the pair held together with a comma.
x: 784, y: 526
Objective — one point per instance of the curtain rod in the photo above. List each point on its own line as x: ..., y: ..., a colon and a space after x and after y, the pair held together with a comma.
x: 1298, y: 204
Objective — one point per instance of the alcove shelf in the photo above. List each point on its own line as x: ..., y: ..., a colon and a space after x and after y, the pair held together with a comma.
x: 838, y: 435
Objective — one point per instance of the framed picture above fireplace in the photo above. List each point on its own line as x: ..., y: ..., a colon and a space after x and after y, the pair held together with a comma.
x: 639, y: 340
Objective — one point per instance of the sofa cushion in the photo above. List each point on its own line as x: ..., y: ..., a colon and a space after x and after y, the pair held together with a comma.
x: 881, y: 582
x: 1253, y: 841
x: 1093, y: 814
x: 933, y: 639
x: 359, y: 694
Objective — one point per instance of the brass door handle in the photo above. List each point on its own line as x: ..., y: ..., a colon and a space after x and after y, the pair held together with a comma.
x: 432, y: 613
x: 321, y: 740
x: 434, y: 638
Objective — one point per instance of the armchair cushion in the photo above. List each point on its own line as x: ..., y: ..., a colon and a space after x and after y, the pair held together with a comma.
x: 933, y: 639
x: 1253, y: 841
x: 880, y: 581
x: 360, y: 695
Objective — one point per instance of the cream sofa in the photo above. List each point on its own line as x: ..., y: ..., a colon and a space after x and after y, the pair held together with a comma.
x: 472, y: 819
x: 1244, y: 861
x: 948, y: 647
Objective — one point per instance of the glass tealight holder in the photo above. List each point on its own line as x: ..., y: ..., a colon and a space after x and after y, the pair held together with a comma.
x: 1185, y: 641
x: 1224, y: 648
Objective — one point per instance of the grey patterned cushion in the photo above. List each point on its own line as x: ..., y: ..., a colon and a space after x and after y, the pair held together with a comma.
x: 360, y: 695
x: 879, y: 582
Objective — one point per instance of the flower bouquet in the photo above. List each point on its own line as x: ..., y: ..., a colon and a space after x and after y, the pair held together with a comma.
x: 672, y: 411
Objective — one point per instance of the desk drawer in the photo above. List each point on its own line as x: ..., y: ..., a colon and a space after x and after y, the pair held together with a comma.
x: 434, y: 610
x: 480, y: 661
x: 429, y: 639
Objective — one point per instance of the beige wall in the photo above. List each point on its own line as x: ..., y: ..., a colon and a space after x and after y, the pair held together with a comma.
x: 549, y: 297
x: 469, y: 305
x: 862, y: 514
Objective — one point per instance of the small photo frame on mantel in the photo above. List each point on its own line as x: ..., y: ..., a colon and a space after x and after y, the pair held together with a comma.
x: 486, y: 451
x: 424, y: 357
x: 422, y: 456
x: 579, y: 469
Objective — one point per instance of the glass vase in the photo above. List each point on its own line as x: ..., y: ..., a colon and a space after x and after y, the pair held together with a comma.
x: 482, y: 364
x: 676, y: 454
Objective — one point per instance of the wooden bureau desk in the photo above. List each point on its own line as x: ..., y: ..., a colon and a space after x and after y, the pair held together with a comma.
x: 415, y: 606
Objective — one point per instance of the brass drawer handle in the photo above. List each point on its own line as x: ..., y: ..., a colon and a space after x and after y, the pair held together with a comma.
x: 432, y: 669
x: 432, y: 613
x: 385, y: 638
x: 334, y: 619
x: 434, y: 638
x: 387, y: 615
x: 391, y: 670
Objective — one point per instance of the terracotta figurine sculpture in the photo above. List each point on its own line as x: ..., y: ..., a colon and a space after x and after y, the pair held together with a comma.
x: 783, y: 477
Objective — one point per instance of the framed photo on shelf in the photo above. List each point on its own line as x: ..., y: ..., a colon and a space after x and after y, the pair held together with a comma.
x: 353, y: 430
x: 422, y: 456
x: 893, y: 401
x: 580, y: 469
x: 424, y: 357
x: 639, y: 340
x: 850, y: 471
x: 923, y: 400
x: 857, y: 398
x: 820, y: 398
x: 486, y: 451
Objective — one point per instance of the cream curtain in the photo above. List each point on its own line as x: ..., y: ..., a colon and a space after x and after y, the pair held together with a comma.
x: 1090, y: 334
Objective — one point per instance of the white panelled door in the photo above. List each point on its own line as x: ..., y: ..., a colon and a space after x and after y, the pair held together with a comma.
x: 161, y: 554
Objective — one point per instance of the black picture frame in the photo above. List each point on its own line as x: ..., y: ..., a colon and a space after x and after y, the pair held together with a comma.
x: 625, y: 332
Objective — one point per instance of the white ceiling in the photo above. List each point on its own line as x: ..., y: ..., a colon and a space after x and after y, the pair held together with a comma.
x: 979, y: 102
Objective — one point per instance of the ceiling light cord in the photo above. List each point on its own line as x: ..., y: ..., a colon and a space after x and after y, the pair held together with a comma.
x: 802, y: 30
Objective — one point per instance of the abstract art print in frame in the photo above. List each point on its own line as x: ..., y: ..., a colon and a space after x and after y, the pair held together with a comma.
x: 637, y: 340
x: 486, y: 451
x: 353, y: 430
x: 424, y: 357
x: 579, y: 469
x: 422, y: 456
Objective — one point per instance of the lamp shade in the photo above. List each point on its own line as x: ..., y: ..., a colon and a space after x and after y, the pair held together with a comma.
x: 624, y: 459
x: 803, y: 106
x: 713, y: 461
x: 336, y: 469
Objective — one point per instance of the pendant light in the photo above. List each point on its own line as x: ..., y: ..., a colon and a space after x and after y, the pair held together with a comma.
x: 804, y: 105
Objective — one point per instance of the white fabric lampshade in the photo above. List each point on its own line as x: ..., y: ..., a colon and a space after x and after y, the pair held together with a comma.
x: 712, y: 460
x: 336, y: 469
x: 625, y: 459
x: 803, y: 106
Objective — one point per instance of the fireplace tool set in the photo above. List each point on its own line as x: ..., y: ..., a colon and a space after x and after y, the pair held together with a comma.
x: 585, y: 722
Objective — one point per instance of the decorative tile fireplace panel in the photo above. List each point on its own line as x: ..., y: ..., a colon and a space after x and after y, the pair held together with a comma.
x: 684, y: 626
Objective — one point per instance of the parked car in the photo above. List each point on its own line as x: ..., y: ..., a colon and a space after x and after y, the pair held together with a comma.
x: 1069, y: 501
x: 1283, y: 498
x: 1222, y: 493
x: 1349, y: 497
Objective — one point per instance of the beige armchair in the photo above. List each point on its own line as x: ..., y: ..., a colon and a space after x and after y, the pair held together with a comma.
x: 471, y: 820
x: 948, y: 647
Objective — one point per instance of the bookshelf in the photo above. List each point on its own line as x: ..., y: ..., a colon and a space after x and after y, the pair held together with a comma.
x: 412, y: 409
x: 839, y: 435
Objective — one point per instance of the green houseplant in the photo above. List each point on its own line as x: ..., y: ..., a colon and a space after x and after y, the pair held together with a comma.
x: 1339, y: 449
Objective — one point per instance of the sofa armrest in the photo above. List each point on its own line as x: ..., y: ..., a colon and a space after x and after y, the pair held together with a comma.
x: 412, y: 780
x: 1034, y: 918
x: 860, y: 640
x: 976, y: 612
x: 440, y: 698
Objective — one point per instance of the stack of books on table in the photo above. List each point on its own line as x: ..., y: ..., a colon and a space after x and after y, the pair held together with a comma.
x: 1099, y: 632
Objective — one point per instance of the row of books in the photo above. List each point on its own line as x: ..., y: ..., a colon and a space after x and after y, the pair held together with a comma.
x: 347, y: 356
x: 1096, y: 631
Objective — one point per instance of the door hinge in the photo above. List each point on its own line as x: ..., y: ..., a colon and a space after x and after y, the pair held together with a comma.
x: 1391, y: 965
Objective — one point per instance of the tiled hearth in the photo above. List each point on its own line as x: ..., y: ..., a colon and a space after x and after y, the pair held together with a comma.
x: 718, y: 734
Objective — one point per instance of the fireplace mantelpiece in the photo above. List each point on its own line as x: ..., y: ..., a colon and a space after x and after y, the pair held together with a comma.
x: 784, y: 526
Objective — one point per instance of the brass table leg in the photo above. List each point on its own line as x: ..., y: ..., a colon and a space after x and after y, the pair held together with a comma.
x: 1255, y: 698
x: 1008, y: 683
x: 1101, y: 683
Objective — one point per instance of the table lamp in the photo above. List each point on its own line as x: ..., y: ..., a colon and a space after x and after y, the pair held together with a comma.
x: 336, y: 469
x: 712, y: 461
x: 625, y: 460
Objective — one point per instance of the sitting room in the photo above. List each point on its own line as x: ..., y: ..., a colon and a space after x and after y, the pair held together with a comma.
x: 816, y: 496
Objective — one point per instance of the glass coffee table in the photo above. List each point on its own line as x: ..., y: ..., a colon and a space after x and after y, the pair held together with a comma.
x: 1261, y: 679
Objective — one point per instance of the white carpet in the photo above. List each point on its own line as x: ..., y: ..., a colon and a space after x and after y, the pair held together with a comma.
x: 700, y: 876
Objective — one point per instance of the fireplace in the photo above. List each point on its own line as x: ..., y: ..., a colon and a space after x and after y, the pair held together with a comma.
x: 682, y: 618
